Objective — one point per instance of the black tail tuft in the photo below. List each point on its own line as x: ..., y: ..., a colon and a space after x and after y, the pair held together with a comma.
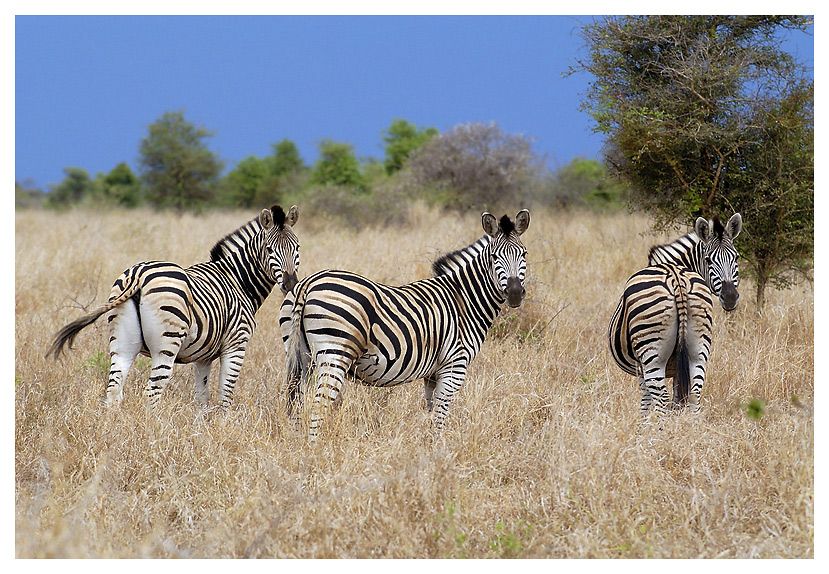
x: 69, y: 332
x: 682, y: 379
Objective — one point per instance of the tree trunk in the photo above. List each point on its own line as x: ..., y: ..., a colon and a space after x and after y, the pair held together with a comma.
x: 761, y: 292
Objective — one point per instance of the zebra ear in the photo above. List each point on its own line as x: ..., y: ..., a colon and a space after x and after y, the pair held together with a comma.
x: 266, y: 218
x: 490, y: 224
x: 522, y: 221
x: 702, y: 228
x: 734, y: 225
x: 293, y: 216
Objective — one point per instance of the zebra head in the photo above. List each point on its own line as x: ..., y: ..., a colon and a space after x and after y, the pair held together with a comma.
x: 719, y: 262
x: 281, y: 245
x: 508, y: 255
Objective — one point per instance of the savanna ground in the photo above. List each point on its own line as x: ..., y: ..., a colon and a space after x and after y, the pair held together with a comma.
x: 544, y: 454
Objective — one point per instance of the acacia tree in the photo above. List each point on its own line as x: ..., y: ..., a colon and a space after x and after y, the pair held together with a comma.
x: 709, y: 115
x: 176, y: 166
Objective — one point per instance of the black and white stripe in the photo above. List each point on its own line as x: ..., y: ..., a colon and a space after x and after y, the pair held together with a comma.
x: 343, y: 324
x: 198, y: 314
x: 663, y: 322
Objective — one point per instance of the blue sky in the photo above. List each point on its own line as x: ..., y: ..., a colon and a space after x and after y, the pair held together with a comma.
x: 87, y: 88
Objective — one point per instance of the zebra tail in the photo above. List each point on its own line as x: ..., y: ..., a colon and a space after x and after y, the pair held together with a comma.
x: 682, y: 378
x: 295, y: 355
x: 68, y: 333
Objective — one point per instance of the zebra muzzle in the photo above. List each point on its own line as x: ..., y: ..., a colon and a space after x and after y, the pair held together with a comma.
x: 288, y: 283
x: 515, y: 292
x: 729, y: 296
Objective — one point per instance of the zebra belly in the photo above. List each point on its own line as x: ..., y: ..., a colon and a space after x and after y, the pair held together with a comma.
x: 378, y: 369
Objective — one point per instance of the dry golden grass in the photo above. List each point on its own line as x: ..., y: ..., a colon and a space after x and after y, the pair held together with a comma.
x: 544, y: 454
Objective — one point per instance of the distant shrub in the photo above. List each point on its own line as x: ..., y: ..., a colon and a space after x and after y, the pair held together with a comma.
x: 476, y: 165
x: 384, y: 205
x: 581, y: 183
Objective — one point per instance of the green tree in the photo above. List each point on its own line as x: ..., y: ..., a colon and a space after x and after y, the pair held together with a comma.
x: 337, y: 165
x: 178, y: 169
x: 402, y: 138
x: 121, y: 186
x: 777, y: 192
x: 586, y: 182
x: 285, y: 159
x: 244, y: 182
x: 26, y: 195
x: 75, y: 186
x: 692, y: 108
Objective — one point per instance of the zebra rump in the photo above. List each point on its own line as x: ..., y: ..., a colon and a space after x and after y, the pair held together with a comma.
x: 196, y: 314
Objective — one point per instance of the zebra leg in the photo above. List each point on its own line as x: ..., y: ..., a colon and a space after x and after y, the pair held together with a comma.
x: 163, y: 352
x: 698, y: 362
x: 645, y: 404
x: 201, y: 372
x: 654, y: 383
x: 698, y: 372
x: 429, y: 384
x: 699, y: 346
x: 230, y: 365
x: 447, y: 385
x: 331, y: 372
x: 125, y: 342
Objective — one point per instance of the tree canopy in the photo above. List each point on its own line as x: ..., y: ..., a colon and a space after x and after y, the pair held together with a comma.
x: 337, y: 165
x: 177, y: 168
x: 709, y: 115
x: 402, y: 138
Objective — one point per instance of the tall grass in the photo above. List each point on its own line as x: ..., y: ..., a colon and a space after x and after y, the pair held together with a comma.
x: 544, y: 453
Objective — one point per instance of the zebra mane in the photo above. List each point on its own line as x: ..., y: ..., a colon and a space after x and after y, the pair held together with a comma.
x: 278, y: 216
x: 506, y: 225
x: 718, y: 227
x: 233, y: 240
x: 678, y: 251
x: 451, y: 262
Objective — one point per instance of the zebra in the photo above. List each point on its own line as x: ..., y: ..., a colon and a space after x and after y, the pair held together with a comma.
x: 663, y: 323
x: 344, y: 324
x: 198, y: 314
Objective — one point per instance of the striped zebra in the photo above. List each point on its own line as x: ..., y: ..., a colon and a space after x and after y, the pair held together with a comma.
x: 344, y: 324
x: 663, y: 322
x: 198, y: 314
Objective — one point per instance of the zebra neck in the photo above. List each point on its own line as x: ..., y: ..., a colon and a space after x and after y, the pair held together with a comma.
x: 480, y: 292
x: 468, y: 271
x: 685, y: 252
x: 237, y: 253
x: 456, y: 260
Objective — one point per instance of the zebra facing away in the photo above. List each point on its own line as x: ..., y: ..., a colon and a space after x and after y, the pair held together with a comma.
x: 663, y: 322
x: 344, y: 324
x: 198, y: 314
